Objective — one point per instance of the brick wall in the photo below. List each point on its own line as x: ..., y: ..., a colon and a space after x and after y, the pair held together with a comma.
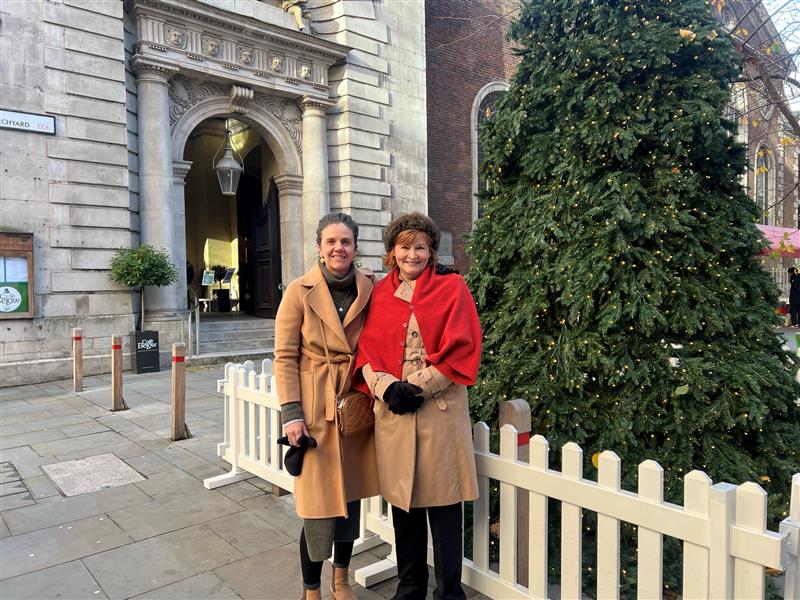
x: 466, y: 49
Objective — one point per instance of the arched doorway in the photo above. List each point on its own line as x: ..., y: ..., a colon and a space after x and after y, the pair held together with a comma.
x: 241, y: 233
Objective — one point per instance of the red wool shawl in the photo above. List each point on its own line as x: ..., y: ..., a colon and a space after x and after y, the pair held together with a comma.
x: 448, y: 323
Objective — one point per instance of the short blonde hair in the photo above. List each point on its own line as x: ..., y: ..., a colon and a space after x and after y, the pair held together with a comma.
x: 409, y: 236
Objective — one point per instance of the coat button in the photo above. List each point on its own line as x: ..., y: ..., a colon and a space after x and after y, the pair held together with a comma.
x: 402, y: 343
x: 414, y: 334
x: 405, y: 324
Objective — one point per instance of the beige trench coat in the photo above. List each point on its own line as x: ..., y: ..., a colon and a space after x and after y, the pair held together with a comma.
x: 339, y: 470
x: 425, y: 458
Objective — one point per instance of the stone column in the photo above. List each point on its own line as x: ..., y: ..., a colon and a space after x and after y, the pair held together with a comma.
x: 156, y: 211
x: 290, y: 194
x: 316, y: 202
x: 180, y: 169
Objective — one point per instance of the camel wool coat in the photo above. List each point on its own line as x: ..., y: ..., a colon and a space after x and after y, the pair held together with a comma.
x: 425, y: 458
x: 339, y: 469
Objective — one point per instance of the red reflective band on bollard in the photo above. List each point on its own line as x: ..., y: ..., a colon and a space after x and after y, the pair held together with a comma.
x: 77, y: 338
x: 523, y: 438
x: 116, y: 346
x: 178, y: 359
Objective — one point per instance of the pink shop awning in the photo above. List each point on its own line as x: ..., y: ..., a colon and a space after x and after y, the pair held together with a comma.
x: 783, y: 240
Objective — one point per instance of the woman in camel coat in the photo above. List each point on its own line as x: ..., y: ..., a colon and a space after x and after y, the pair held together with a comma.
x: 419, y: 350
x: 316, y: 331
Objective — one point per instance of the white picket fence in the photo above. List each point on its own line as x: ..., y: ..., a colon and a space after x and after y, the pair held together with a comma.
x: 726, y: 546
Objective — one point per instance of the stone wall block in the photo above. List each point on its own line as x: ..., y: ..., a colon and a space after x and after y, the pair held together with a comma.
x: 75, y: 62
x: 361, y: 185
x: 364, y: 59
x: 78, y: 106
x: 67, y: 237
x: 89, y: 195
x: 92, y: 87
x: 111, y: 8
x: 351, y: 167
x: 91, y: 260
x: 340, y: 153
x: 356, y: 105
x: 113, y: 304
x: 86, y: 216
x: 348, y: 200
x: 80, y: 172
x: 23, y: 99
x: 76, y: 282
x: 354, y: 72
x: 106, y: 154
x: 58, y: 305
x: 340, y: 137
x: 84, y: 20
x: 356, y: 121
x: 90, y: 43
x: 360, y: 90
x: 111, y: 133
x: 23, y: 188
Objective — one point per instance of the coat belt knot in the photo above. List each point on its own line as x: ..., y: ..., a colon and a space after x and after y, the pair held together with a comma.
x: 337, y: 359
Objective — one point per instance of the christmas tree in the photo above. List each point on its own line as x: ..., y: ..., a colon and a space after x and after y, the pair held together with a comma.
x: 614, y: 265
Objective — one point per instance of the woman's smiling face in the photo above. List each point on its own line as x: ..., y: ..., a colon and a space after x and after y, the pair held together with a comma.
x: 337, y: 248
x: 412, y: 256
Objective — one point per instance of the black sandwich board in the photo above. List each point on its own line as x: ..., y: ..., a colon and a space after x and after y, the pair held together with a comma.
x: 147, y: 352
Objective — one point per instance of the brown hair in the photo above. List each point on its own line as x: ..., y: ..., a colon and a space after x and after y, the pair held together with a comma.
x: 407, y: 237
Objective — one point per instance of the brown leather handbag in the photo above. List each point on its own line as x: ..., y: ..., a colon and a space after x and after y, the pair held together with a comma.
x: 354, y: 413
x: 353, y: 408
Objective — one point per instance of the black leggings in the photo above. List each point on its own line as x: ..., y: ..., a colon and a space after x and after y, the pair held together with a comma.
x: 312, y: 571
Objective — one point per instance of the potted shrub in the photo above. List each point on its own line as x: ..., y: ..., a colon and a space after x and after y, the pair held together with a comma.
x: 220, y: 298
x: 140, y: 267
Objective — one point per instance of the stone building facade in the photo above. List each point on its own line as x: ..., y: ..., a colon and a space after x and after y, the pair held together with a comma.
x: 328, y: 117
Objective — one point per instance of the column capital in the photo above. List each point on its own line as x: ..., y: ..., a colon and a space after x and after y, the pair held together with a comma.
x: 288, y: 183
x: 180, y: 169
x: 314, y: 106
x: 153, y: 70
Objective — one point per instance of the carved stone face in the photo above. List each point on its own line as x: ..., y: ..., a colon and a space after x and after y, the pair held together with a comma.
x: 277, y: 64
x: 176, y: 37
x: 211, y: 47
x: 305, y: 72
x: 245, y: 56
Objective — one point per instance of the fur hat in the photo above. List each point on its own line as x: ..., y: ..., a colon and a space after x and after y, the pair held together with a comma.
x: 411, y: 222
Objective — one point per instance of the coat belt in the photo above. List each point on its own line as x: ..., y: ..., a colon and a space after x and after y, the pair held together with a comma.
x: 339, y: 358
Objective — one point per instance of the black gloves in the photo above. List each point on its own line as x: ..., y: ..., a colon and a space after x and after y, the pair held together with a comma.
x: 403, y: 397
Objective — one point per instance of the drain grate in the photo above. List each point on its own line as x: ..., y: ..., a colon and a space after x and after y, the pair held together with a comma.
x: 90, y: 474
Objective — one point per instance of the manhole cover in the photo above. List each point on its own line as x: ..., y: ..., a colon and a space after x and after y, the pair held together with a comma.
x: 90, y: 474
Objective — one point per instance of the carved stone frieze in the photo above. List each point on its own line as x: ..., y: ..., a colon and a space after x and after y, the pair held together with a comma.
x: 176, y: 37
x: 185, y: 93
x: 212, y: 46
x: 287, y: 112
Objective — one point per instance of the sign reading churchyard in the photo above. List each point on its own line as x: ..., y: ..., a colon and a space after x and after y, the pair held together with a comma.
x: 16, y: 276
x: 11, y: 119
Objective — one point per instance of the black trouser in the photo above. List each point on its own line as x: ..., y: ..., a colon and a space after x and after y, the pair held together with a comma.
x: 312, y: 571
x: 411, y: 545
x: 794, y: 312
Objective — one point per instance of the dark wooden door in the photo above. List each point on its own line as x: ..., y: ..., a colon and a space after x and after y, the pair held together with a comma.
x: 266, y: 236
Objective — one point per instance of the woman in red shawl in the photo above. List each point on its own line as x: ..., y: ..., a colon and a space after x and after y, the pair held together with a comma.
x: 419, y: 349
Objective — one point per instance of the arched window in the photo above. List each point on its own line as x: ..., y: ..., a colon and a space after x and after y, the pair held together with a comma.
x: 482, y: 109
x: 763, y: 188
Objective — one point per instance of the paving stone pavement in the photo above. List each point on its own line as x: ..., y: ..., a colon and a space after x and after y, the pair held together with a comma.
x: 164, y: 537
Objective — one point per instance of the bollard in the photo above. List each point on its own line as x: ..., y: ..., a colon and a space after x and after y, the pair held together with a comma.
x: 117, y: 402
x: 77, y: 359
x: 517, y: 412
x: 179, y: 429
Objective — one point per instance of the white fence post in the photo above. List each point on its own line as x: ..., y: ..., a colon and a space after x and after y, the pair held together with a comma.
x: 571, y: 525
x: 721, y: 518
x: 791, y: 527
x: 696, y: 498
x: 508, y: 509
x: 751, y: 513
x: 608, y: 477
x: 538, y: 531
x: 650, y: 556
x: 480, y: 507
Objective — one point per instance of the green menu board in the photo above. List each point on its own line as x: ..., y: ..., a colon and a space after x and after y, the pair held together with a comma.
x: 14, y: 285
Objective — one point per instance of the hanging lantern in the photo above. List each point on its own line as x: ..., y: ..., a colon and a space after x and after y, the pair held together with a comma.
x: 228, y: 168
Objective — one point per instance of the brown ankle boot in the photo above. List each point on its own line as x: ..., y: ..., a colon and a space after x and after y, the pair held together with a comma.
x: 311, y: 594
x: 340, y: 585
